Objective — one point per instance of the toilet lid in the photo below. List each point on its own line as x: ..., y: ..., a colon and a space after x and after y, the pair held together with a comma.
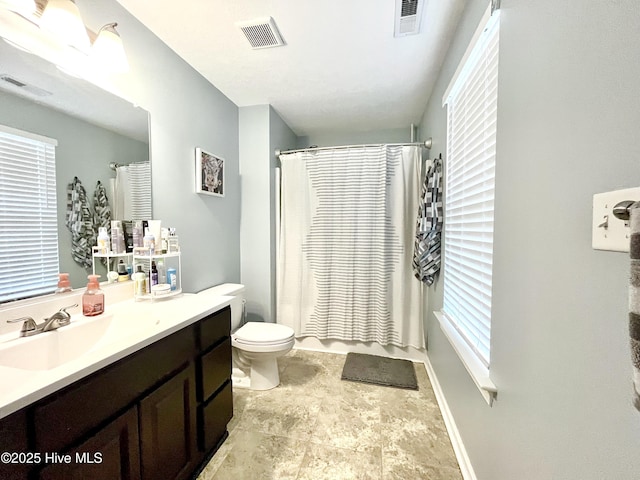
x: 260, y: 332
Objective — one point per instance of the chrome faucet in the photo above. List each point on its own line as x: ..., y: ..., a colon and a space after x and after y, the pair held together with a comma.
x: 55, y: 321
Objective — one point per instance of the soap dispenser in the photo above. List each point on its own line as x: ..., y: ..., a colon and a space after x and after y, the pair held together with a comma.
x: 93, y: 298
x: 64, y: 285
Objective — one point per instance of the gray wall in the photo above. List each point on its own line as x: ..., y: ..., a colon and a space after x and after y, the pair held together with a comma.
x: 186, y: 112
x: 568, y: 122
x: 255, y: 233
x: 261, y: 132
x: 84, y: 150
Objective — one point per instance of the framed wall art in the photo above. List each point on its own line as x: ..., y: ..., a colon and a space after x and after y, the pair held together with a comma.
x: 209, y: 173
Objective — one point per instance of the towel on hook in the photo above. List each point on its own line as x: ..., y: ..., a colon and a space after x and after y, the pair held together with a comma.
x: 79, y: 221
x: 634, y: 299
x: 101, y: 209
x: 101, y: 212
x: 426, y: 254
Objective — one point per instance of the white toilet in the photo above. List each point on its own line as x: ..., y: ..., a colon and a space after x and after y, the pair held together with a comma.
x: 256, y: 345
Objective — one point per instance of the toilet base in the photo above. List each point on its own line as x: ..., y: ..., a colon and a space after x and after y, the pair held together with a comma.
x: 255, y: 371
x: 239, y: 379
x: 264, y: 374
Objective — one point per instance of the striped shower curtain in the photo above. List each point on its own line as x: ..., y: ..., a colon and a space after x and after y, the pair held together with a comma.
x: 346, y: 245
x: 131, y: 192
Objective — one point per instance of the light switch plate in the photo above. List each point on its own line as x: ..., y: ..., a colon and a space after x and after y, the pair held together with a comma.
x: 615, y: 236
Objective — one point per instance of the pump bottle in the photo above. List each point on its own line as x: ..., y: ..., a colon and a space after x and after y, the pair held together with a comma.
x: 93, y: 298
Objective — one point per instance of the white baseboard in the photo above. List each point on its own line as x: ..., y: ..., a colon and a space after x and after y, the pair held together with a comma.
x: 456, y: 441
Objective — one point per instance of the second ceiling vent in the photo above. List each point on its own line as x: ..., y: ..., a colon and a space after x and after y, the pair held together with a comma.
x: 261, y: 33
x: 408, y: 16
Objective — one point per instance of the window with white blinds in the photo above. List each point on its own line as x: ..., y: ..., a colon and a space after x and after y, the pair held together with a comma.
x: 469, y: 194
x: 28, y: 215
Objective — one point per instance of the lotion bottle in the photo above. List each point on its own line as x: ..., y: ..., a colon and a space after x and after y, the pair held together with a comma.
x: 103, y: 241
x: 149, y: 241
x: 93, y: 298
x: 139, y: 282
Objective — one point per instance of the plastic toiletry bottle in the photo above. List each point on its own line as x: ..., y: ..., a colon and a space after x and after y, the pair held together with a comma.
x: 115, y: 233
x: 172, y: 278
x: 103, y: 241
x: 64, y: 285
x: 162, y: 272
x: 172, y: 241
x: 117, y: 237
x: 149, y: 242
x: 139, y: 282
x: 93, y: 298
x: 153, y: 274
x: 137, y: 234
x: 123, y: 274
x: 164, y: 240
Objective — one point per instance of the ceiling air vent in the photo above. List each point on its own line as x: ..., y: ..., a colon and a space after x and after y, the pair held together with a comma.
x: 408, y: 15
x: 25, y: 87
x: 261, y: 33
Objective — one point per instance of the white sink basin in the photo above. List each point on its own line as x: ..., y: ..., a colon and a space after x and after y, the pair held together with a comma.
x: 48, y: 350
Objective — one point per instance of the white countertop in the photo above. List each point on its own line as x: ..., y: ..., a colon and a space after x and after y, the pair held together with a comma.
x: 133, y: 326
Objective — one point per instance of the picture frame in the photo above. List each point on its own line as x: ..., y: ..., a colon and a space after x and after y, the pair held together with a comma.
x: 210, y: 174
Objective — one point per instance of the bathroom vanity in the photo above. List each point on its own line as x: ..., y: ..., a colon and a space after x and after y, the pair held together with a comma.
x: 158, y: 408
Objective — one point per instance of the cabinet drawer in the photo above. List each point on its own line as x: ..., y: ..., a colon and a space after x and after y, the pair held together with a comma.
x: 213, y: 418
x: 214, y: 327
x: 214, y: 368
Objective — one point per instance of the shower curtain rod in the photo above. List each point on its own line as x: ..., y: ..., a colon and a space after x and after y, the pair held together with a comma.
x: 426, y: 144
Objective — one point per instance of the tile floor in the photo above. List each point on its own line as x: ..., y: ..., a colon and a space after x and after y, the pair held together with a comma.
x: 315, y: 426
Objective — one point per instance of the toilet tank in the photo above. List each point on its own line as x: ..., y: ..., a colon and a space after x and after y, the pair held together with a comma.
x: 237, y: 304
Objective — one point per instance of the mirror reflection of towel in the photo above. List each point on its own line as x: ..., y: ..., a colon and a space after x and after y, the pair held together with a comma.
x: 79, y: 221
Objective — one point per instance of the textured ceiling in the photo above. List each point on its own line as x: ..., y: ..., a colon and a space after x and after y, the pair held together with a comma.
x: 341, y: 67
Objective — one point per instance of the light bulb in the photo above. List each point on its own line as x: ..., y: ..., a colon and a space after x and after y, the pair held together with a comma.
x: 108, y: 51
x: 62, y: 18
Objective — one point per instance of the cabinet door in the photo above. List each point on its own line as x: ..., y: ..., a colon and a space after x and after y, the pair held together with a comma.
x: 168, y: 429
x: 111, y: 453
x: 13, y: 439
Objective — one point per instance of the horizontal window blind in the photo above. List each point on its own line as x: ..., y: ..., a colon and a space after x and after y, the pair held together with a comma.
x: 469, y: 194
x: 28, y: 215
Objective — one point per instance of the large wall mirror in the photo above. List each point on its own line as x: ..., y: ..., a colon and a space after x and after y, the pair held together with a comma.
x: 93, y: 129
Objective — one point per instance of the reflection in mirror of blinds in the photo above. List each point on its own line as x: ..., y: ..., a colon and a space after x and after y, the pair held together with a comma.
x: 28, y: 215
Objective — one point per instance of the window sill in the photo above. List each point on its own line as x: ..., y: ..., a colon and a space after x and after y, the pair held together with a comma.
x: 478, y: 372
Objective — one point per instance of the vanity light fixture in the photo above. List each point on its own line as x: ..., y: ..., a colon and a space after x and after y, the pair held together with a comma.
x: 108, y: 51
x: 62, y: 18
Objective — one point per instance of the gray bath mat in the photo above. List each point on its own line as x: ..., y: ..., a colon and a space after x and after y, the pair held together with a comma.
x: 392, y: 372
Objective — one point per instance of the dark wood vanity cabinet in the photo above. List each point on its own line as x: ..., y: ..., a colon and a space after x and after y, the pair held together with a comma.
x: 160, y: 412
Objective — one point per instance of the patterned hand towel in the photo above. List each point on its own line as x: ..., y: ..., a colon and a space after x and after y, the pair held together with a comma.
x: 634, y: 299
x: 79, y: 221
x: 426, y: 256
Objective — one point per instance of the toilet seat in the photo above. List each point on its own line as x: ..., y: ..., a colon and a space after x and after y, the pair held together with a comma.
x: 263, y: 337
x: 261, y: 333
